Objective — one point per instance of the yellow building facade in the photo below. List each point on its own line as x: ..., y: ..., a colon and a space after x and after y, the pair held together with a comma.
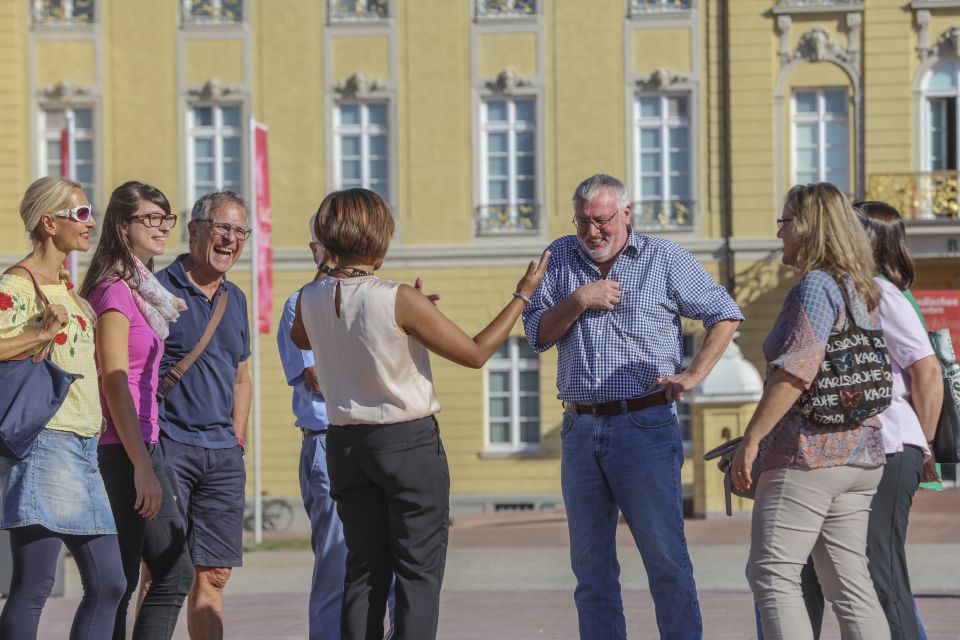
x: 476, y: 119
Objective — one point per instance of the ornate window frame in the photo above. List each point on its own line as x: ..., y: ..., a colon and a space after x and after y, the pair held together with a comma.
x: 513, y: 365
x: 340, y: 17
x: 815, y: 46
x: 362, y: 90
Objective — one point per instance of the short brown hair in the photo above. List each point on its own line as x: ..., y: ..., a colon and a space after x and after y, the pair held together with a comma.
x: 354, y: 223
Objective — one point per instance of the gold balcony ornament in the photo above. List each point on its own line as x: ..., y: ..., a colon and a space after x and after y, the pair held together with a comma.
x: 506, y: 8
x: 923, y: 196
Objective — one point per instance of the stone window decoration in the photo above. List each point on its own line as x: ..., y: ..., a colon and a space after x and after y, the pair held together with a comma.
x: 501, y: 9
x: 647, y: 7
x: 513, y: 397
x: 358, y: 10
x: 60, y: 12
x: 213, y: 11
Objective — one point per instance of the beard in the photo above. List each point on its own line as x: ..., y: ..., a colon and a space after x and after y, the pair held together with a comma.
x: 598, y: 254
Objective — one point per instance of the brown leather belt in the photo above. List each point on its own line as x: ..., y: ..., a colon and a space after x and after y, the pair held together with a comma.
x: 618, y: 407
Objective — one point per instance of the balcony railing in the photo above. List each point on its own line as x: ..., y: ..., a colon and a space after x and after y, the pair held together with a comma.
x: 209, y: 12
x: 928, y: 196
x: 810, y: 4
x: 669, y: 215
x: 647, y: 7
x: 63, y: 12
x: 508, y: 219
x: 358, y: 10
x: 505, y: 9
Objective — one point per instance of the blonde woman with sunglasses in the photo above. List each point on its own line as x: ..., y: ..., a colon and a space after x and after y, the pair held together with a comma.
x: 55, y: 495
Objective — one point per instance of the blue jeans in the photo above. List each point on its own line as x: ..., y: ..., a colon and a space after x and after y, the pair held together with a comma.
x: 629, y: 462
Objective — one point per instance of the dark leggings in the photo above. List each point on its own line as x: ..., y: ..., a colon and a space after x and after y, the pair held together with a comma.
x: 160, y: 542
x: 35, y: 552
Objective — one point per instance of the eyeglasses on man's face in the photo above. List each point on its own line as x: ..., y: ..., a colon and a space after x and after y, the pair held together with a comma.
x: 157, y: 219
x: 223, y: 228
x: 582, y: 224
x: 79, y: 213
x: 781, y: 222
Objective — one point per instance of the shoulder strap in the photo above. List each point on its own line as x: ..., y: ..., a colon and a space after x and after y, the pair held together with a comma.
x: 174, y: 373
x: 43, y: 302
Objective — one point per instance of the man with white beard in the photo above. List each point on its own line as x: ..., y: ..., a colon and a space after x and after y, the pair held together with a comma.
x: 612, y: 301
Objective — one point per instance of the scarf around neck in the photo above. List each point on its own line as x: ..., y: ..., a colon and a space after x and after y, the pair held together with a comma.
x: 158, y: 306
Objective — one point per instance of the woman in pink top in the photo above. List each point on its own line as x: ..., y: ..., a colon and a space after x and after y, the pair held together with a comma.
x: 908, y: 425
x: 133, y: 311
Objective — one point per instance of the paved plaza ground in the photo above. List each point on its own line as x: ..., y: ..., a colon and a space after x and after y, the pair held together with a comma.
x: 508, y: 577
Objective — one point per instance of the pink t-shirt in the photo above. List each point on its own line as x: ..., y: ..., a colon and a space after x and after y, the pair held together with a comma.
x: 907, y: 342
x: 145, y: 349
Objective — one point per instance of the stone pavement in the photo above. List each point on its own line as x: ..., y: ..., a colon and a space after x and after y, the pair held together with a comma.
x: 508, y: 577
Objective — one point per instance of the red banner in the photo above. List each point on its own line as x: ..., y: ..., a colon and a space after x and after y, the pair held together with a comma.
x: 65, y: 154
x: 941, y: 310
x: 263, y: 228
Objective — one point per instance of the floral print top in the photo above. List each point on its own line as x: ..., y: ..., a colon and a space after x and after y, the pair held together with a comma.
x: 72, y: 349
x: 797, y: 344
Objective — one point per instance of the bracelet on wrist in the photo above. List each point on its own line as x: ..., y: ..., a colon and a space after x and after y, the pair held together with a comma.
x: 242, y: 443
x: 520, y: 296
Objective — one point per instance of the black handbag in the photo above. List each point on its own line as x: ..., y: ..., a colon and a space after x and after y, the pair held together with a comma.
x: 726, y: 452
x: 946, y: 442
x: 32, y: 389
x: 855, y: 381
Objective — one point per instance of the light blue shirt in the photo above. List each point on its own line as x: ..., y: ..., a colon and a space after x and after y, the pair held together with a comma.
x: 308, y: 406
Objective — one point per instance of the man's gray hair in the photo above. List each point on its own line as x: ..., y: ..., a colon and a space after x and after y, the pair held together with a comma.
x: 589, y: 188
x: 311, y: 224
x: 204, y: 207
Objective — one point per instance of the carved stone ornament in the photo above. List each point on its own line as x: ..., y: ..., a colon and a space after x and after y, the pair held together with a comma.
x: 664, y: 79
x: 815, y: 46
x: 507, y: 82
x: 64, y: 91
x: 214, y: 90
x: 359, y: 85
x: 948, y: 44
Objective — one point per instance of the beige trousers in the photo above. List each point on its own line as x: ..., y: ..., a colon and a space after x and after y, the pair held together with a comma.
x: 823, y: 513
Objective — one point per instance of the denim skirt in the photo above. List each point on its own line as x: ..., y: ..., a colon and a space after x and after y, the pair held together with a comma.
x: 57, y: 486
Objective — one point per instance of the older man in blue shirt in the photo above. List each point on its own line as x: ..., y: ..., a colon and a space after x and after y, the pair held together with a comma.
x: 612, y: 302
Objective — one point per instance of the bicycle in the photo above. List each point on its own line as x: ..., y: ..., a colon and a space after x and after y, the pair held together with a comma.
x: 277, y: 515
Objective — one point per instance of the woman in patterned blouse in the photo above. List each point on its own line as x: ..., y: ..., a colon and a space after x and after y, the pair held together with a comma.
x: 815, y: 486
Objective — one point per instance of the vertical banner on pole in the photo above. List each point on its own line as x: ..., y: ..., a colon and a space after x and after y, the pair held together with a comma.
x: 263, y: 229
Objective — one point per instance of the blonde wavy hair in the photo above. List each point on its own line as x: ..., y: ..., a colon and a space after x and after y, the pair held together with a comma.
x: 831, y: 237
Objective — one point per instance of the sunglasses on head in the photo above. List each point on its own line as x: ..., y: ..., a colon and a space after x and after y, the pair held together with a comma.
x: 80, y: 213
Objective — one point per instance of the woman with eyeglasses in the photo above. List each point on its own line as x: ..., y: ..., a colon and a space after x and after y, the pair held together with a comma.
x: 133, y: 313
x: 816, y: 482
x: 55, y: 495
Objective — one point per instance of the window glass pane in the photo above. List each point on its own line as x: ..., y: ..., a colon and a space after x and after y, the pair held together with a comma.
x: 349, y: 114
x: 381, y: 189
x: 806, y: 177
x: 837, y: 157
x: 83, y: 118
x: 203, y: 148
x: 650, y: 162
x: 496, y: 190
x: 806, y: 158
x: 350, y: 146
x: 806, y: 134
x: 231, y: 116
x: 202, y: 117
x: 201, y: 190
x: 53, y: 156
x: 203, y: 171
x: 525, y: 165
x: 680, y: 187
x: 806, y: 101
x: 530, y: 381
x: 530, y: 406
x: 944, y: 76
x: 677, y: 107
x: 836, y: 133
x: 378, y: 169
x: 679, y: 138
x: 84, y: 174
x: 836, y: 101
x: 650, y: 138
x: 525, y: 142
x: 378, y: 146
x: 502, y: 352
x: 499, y: 381
x: 497, y: 143
x: 525, y: 111
x: 84, y: 149
x: 526, y: 353
x: 231, y: 172
x: 650, y: 107
x: 350, y: 170
x: 838, y: 178
x: 680, y: 161
x: 377, y: 114
x: 650, y: 187
x: 496, y: 111
x: 525, y: 190
x: 530, y: 432
x: 499, y: 432
x: 497, y: 166
x: 231, y: 147
x: 499, y: 407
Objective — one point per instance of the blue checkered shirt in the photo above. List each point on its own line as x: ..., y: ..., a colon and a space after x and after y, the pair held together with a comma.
x: 619, y: 354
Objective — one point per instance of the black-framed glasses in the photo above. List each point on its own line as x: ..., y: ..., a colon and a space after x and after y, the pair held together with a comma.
x: 223, y: 228
x: 157, y: 219
x: 782, y: 221
x: 583, y: 224
x: 79, y: 213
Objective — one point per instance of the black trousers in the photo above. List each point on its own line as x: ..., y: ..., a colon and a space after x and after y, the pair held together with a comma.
x: 887, y: 538
x: 392, y: 488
